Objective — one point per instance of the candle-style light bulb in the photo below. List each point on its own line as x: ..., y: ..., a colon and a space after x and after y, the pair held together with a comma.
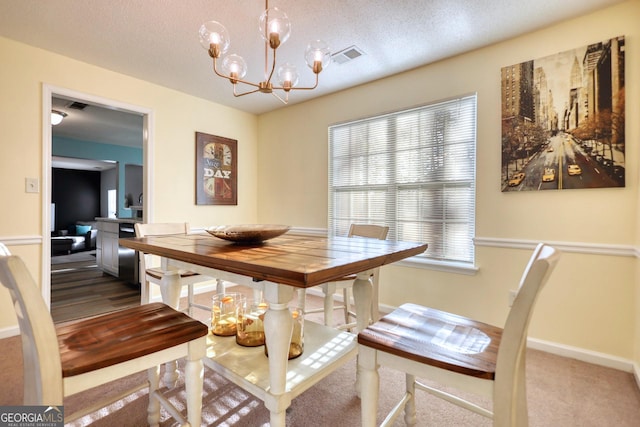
x: 214, y: 38
x: 274, y: 27
x: 317, y: 56
x: 288, y: 76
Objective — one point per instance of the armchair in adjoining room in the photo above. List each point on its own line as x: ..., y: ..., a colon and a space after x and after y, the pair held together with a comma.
x: 80, y: 236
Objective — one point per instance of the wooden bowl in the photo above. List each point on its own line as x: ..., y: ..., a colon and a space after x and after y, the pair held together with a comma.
x: 248, y: 233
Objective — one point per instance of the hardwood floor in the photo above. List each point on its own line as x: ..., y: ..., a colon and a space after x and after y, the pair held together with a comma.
x: 80, y: 289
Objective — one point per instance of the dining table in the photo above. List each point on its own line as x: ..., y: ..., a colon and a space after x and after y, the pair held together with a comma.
x: 278, y: 266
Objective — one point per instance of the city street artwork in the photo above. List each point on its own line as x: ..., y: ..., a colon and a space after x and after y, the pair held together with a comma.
x: 563, y: 120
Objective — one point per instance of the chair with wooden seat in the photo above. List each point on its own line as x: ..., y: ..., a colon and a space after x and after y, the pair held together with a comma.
x: 65, y: 359
x: 455, y: 351
x: 346, y: 283
x: 154, y: 274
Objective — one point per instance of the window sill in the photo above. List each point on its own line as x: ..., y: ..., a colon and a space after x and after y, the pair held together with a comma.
x: 446, y: 266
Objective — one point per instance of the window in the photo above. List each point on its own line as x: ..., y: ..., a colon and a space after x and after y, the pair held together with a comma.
x: 411, y: 170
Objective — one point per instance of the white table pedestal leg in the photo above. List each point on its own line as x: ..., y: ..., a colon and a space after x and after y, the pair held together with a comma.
x: 193, y: 377
x: 328, y: 289
x: 277, y: 328
x: 362, y: 292
x: 170, y: 288
x: 368, y: 367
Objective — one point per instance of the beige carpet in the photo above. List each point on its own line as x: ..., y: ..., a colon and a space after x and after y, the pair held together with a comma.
x: 561, y: 392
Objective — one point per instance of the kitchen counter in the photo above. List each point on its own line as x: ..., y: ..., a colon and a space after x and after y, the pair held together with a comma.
x: 119, y: 220
x: 111, y: 257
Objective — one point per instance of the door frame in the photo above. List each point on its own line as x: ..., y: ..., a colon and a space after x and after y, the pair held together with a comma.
x: 49, y: 91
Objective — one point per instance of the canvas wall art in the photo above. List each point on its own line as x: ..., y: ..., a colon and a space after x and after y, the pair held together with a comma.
x: 563, y: 120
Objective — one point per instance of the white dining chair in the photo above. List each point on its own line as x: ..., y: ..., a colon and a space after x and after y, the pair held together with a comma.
x: 154, y: 274
x: 69, y: 358
x: 346, y: 283
x: 455, y: 351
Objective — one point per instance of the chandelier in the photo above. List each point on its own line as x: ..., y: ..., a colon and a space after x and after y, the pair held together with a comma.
x: 275, y: 28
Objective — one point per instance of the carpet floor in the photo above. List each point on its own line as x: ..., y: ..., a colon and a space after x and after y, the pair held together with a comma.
x: 562, y: 392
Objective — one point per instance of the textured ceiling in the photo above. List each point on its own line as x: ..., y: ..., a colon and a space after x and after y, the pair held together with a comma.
x: 157, y: 40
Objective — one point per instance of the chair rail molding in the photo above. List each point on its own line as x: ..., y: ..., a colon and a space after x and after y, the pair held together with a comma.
x: 575, y: 247
x: 494, y: 242
x: 498, y: 242
x: 21, y: 240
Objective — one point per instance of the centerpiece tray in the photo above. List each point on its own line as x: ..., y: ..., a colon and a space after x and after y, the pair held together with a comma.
x: 248, y: 233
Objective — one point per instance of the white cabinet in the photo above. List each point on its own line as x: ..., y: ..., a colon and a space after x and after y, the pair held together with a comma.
x: 107, y: 247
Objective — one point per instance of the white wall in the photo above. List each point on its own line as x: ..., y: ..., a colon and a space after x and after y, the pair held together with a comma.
x: 590, y: 301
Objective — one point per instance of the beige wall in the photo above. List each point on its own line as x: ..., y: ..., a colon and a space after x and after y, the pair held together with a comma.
x: 590, y: 302
x: 176, y: 119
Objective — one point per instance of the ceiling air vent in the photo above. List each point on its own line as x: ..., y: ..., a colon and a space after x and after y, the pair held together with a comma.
x: 77, y: 105
x: 346, y: 55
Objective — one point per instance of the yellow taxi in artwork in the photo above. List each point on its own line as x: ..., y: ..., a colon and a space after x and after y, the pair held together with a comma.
x: 549, y: 175
x: 516, y: 179
x: 574, y: 170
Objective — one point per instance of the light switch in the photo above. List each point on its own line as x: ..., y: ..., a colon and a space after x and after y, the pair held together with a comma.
x: 32, y: 185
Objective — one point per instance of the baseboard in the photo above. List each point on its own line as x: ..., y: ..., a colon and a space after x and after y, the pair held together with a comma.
x: 581, y: 354
x: 9, y: 332
x: 185, y: 292
x: 601, y: 359
x: 316, y: 291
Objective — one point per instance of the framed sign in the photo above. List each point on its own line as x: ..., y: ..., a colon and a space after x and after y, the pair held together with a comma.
x: 216, y: 170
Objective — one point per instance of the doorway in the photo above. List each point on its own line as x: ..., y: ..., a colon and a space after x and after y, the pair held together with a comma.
x: 91, y: 130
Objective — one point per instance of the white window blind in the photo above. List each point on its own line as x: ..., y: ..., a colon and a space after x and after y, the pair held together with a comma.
x: 411, y: 170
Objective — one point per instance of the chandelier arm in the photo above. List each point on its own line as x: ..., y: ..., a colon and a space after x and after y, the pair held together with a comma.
x: 266, y: 58
x: 279, y: 98
x: 299, y: 88
x: 273, y: 66
x: 247, y: 83
x: 231, y: 79
x: 237, y: 95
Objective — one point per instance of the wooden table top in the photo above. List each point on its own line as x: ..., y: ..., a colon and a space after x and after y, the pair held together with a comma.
x: 297, y: 260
